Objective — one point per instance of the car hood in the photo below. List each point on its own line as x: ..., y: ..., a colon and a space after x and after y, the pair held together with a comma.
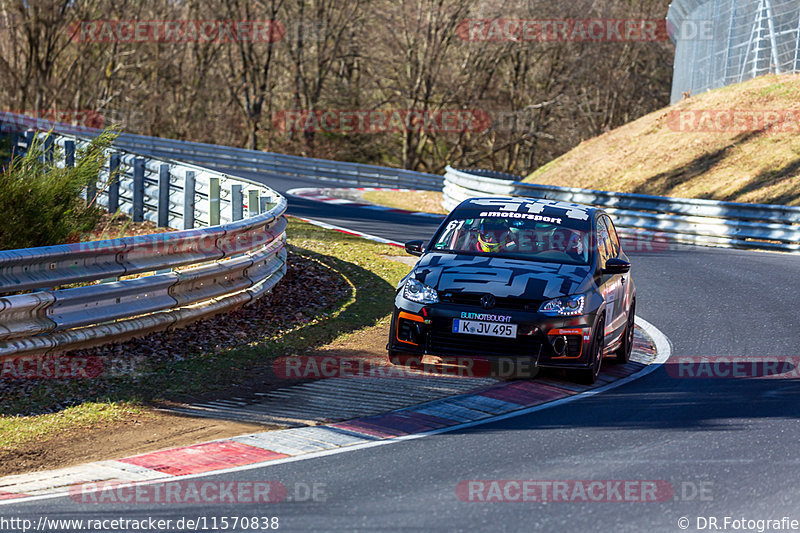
x: 503, y: 278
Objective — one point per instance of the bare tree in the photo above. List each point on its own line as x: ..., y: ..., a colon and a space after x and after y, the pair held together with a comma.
x: 543, y: 98
x: 317, y: 43
x: 418, y: 37
x: 34, y: 56
x: 249, y: 63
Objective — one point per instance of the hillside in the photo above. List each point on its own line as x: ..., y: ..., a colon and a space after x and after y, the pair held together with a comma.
x: 699, y: 149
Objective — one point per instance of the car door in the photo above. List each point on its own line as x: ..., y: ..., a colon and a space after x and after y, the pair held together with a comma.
x: 607, y: 283
x: 619, y: 281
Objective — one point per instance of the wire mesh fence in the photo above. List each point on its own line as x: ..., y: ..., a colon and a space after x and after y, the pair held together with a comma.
x: 721, y: 42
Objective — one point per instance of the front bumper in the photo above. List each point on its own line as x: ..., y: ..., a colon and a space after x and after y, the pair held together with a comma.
x: 428, y: 330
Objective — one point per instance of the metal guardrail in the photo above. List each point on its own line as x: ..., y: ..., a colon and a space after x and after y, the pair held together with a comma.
x: 137, y: 285
x: 689, y: 221
x: 225, y: 157
x: 682, y: 220
x: 286, y: 165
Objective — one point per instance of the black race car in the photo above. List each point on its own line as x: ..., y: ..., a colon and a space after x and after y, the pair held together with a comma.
x: 518, y: 278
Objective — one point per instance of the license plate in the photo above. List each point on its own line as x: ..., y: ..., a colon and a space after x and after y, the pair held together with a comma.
x: 488, y: 329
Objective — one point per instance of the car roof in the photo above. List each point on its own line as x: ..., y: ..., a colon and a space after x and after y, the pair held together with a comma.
x: 480, y: 207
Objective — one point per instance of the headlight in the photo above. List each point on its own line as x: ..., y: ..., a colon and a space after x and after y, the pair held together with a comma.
x: 419, y: 292
x: 567, y: 306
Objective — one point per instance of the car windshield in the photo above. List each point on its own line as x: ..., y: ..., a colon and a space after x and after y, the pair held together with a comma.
x: 526, y: 239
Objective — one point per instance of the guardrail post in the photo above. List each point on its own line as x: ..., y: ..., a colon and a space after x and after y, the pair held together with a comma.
x: 69, y: 162
x: 47, y: 154
x: 138, y: 190
x: 19, y: 138
x: 252, y: 202
x: 263, y: 203
x: 237, y: 203
x: 163, y: 196
x: 69, y: 153
x: 213, y: 201
x: 188, y: 200
x: 113, y: 183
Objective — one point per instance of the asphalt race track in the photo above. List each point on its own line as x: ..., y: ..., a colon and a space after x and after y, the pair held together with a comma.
x: 728, y: 447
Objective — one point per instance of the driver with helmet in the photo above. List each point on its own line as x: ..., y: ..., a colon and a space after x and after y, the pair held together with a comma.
x: 495, y: 236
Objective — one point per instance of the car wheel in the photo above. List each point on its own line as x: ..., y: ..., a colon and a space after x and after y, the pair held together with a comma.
x: 624, y: 351
x: 589, y: 375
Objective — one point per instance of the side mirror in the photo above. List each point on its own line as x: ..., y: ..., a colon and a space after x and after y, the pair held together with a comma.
x: 617, y: 266
x: 415, y: 247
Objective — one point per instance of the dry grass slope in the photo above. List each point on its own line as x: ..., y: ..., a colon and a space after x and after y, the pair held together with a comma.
x: 651, y: 155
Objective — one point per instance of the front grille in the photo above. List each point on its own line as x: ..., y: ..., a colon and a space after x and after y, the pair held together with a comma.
x: 474, y: 300
x: 444, y: 342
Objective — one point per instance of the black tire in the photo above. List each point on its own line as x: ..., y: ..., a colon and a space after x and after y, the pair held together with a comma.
x: 589, y: 375
x: 623, y: 353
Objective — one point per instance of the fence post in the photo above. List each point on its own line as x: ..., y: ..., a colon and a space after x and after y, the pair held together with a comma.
x: 47, y: 155
x: 18, y: 138
x: 263, y: 203
x: 113, y: 183
x: 237, y: 203
x: 69, y: 162
x: 163, y: 196
x: 213, y: 201
x: 188, y: 200
x: 69, y: 153
x: 138, y: 190
x: 252, y: 202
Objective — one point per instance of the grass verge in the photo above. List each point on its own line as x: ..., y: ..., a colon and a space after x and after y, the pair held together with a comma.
x: 17, y: 431
x: 418, y: 201
x: 697, y: 149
